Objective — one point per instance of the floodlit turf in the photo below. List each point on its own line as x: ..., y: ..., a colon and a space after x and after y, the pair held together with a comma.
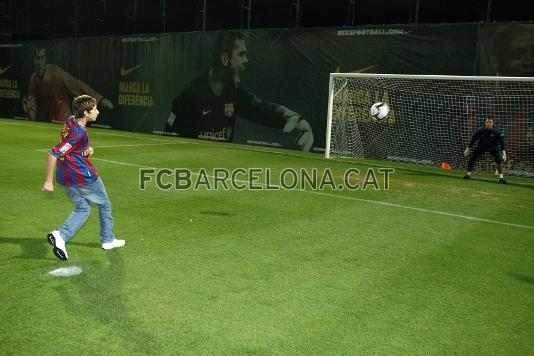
x: 418, y: 269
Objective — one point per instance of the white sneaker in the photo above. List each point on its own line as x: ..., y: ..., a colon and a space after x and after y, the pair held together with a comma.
x: 55, y: 239
x: 113, y: 244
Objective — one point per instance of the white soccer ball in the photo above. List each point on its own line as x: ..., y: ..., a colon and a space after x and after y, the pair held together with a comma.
x: 379, y: 110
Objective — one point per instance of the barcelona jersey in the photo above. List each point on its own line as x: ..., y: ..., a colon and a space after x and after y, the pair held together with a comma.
x: 73, y: 166
x: 198, y: 113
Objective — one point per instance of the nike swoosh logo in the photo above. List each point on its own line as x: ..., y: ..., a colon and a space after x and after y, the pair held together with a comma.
x: 206, y: 112
x: 125, y: 72
x: 361, y: 70
x: 2, y: 71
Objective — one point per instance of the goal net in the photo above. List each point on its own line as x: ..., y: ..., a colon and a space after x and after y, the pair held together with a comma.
x: 431, y: 118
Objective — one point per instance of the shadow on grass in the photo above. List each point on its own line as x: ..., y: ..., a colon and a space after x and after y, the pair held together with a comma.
x: 30, y: 247
x: 215, y: 213
x: 38, y: 248
x: 522, y: 278
x: 98, y: 294
x: 95, y: 294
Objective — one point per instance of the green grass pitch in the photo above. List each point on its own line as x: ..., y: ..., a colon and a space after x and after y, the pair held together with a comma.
x: 434, y: 265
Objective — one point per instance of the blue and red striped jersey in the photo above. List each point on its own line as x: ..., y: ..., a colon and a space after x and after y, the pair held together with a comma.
x: 73, y: 166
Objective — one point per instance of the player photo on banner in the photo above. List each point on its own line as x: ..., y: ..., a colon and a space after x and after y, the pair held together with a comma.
x: 55, y: 79
x: 506, y: 50
x: 218, y: 105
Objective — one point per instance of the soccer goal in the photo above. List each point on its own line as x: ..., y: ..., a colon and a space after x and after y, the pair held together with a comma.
x: 430, y: 119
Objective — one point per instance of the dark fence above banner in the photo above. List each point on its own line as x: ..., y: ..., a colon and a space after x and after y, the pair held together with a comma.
x: 48, y: 19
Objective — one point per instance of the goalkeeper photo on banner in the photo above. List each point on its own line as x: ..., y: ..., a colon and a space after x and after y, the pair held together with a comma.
x: 208, y: 106
x: 510, y: 50
x: 487, y: 138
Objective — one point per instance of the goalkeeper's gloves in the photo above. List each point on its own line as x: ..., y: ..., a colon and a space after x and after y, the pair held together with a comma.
x: 503, y: 155
x: 106, y: 103
x: 467, y: 152
x: 25, y: 104
x: 295, y: 123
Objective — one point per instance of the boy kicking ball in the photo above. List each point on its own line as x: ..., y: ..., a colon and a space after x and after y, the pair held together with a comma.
x: 79, y: 178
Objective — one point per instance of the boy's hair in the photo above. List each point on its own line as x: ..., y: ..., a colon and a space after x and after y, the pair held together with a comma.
x: 225, y: 43
x: 81, y: 104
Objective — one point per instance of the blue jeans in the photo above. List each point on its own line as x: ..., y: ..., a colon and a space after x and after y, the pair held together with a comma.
x: 81, y: 197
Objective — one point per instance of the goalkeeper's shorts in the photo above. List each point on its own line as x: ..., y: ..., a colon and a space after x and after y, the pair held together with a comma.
x: 495, y: 153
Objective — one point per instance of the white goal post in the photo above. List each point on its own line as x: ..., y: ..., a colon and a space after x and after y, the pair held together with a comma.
x: 431, y: 118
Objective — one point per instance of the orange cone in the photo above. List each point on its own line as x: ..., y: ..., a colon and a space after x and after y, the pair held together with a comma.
x: 445, y: 165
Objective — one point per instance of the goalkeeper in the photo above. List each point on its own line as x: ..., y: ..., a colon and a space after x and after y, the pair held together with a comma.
x: 487, y: 139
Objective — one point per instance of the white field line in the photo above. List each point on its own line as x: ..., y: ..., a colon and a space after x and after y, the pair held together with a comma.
x: 173, y: 140
x: 141, y: 144
x: 178, y: 140
x: 136, y: 137
x: 121, y: 163
x: 138, y: 145
x: 467, y: 217
x: 233, y: 146
x: 97, y: 133
x: 293, y: 154
x: 16, y: 124
x: 370, y: 201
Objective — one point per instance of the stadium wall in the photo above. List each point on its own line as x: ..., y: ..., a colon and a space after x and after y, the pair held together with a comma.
x: 142, y: 74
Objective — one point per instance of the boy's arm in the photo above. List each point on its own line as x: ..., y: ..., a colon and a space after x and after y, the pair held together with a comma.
x: 48, y: 185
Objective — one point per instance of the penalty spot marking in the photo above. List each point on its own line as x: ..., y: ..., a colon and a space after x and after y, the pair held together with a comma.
x: 66, y: 271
